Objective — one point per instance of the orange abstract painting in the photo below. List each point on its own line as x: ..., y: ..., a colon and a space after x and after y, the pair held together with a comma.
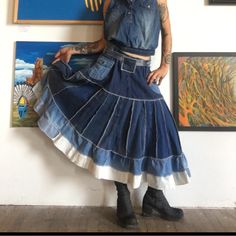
x: 205, y: 91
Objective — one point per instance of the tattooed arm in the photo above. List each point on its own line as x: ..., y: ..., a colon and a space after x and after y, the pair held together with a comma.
x: 94, y: 47
x: 89, y: 48
x: 65, y: 54
x: 166, y: 33
x: 159, y: 74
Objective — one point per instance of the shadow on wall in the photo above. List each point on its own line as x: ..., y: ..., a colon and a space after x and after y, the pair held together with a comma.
x: 91, y: 192
x: 10, y: 12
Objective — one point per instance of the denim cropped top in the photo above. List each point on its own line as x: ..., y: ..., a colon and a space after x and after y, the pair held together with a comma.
x: 133, y: 25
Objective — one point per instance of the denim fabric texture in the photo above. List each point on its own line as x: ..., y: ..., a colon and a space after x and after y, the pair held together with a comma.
x: 134, y: 26
x: 107, y: 119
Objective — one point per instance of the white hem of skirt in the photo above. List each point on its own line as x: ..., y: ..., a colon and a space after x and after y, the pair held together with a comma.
x: 109, y: 173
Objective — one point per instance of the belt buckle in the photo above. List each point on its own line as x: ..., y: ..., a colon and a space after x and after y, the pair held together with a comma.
x: 128, y: 65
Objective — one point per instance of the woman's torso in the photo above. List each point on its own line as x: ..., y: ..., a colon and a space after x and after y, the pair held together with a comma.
x: 133, y: 26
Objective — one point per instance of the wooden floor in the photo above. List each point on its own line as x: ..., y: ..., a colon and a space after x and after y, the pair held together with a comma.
x: 96, y: 219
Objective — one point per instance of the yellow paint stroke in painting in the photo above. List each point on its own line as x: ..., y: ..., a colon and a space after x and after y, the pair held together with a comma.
x: 22, y: 101
x: 92, y: 4
x: 86, y: 3
x: 96, y: 4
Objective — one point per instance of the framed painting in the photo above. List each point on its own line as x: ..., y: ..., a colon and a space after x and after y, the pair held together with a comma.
x: 58, y: 12
x: 31, y: 61
x: 204, y: 91
x: 222, y: 2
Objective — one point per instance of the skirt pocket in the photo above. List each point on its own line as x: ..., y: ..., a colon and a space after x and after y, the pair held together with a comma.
x: 101, y: 68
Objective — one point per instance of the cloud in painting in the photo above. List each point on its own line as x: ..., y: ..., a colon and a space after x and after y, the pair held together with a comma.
x: 22, y: 65
x: 23, y: 71
x: 22, y: 75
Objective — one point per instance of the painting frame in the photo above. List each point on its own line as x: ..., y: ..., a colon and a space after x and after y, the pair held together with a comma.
x: 25, y: 19
x: 222, y: 2
x: 177, y: 73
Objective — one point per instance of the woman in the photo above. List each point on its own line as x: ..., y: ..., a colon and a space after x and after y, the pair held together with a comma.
x: 111, y: 118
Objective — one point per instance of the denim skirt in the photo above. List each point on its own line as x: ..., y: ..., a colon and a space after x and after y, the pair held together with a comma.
x: 107, y: 119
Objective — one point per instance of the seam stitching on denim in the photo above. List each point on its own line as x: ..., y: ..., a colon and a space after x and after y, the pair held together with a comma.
x: 154, y: 158
x: 130, y: 122
x: 95, y: 114
x: 136, y: 99
x: 108, y: 123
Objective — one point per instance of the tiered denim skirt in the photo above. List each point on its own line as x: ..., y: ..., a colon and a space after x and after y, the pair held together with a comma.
x: 107, y: 119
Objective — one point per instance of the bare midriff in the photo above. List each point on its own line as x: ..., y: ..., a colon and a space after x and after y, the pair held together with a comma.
x: 146, y: 58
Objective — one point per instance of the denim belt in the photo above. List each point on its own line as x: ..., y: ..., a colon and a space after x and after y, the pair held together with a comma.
x: 129, y: 63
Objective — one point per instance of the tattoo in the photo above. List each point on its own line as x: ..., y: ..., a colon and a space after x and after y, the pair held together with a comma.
x: 165, y: 34
x: 167, y: 58
x: 163, y: 12
x: 87, y: 48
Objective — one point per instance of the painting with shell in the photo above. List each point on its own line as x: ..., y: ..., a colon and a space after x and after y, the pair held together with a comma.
x: 31, y: 62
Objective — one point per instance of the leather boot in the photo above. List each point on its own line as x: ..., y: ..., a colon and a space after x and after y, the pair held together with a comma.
x: 125, y: 214
x: 154, y: 202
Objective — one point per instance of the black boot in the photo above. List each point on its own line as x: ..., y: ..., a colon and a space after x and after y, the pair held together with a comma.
x: 125, y: 214
x: 154, y: 201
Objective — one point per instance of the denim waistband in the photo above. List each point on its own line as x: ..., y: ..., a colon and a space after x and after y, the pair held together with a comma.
x: 112, y: 51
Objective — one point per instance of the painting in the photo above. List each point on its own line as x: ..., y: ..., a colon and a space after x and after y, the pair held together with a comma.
x: 204, y: 91
x: 31, y: 61
x: 58, y: 12
x: 222, y: 2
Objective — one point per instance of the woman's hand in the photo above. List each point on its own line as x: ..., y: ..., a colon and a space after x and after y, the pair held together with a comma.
x: 64, y: 54
x: 158, y: 75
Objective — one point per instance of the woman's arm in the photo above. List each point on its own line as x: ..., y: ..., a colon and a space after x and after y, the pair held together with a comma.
x: 65, y: 54
x: 89, y: 48
x: 159, y: 74
x: 166, y: 33
x: 94, y: 47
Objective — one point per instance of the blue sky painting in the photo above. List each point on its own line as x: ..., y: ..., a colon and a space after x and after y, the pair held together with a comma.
x: 28, y: 52
x: 54, y: 10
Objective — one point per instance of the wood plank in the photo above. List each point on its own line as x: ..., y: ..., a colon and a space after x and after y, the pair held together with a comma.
x: 228, y: 222
x: 143, y: 221
x: 185, y: 224
x: 16, y: 218
x: 197, y: 221
x: 212, y: 220
x: 39, y: 219
x: 92, y: 219
x: 156, y: 224
x: 6, y: 214
x: 76, y: 222
x: 230, y: 212
x: 107, y: 221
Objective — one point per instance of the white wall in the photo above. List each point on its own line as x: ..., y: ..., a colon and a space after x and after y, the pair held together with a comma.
x: 33, y: 172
